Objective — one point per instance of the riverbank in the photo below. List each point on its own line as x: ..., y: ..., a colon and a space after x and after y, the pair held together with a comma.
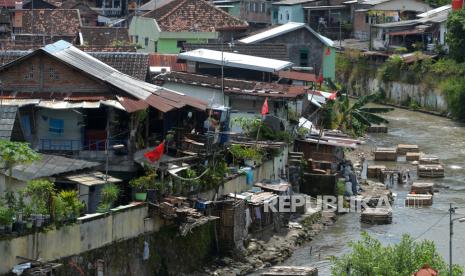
x: 262, y: 251
x: 434, y: 135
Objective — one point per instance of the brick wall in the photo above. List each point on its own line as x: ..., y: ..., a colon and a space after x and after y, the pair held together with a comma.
x: 41, y: 73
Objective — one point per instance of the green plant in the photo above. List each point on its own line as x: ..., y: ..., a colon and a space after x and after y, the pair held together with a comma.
x: 302, y: 132
x: 13, y: 153
x: 143, y: 183
x: 72, y: 205
x: 391, y: 70
x: 340, y: 187
x: 41, y: 193
x: 370, y: 257
x: 454, y: 92
x: 246, y: 152
x: 456, y: 35
x: 6, y: 215
x: 109, y: 195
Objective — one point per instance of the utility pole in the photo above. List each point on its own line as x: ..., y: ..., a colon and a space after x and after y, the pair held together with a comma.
x: 451, y: 233
x: 451, y: 226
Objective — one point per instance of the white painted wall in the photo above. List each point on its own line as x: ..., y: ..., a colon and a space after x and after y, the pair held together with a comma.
x: 210, y: 95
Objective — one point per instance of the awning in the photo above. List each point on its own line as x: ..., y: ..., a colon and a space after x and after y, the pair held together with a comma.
x: 408, y: 32
x: 61, y: 104
x: 92, y: 178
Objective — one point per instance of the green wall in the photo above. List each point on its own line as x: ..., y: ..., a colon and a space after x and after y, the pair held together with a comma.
x: 169, y: 46
x: 296, y: 14
x: 329, y: 62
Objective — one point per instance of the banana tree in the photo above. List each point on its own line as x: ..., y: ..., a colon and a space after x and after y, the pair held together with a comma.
x: 358, y: 113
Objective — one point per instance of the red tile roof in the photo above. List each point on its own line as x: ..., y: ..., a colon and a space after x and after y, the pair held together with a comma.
x: 165, y: 60
x: 194, y: 16
x: 105, y: 36
x: 56, y: 22
x: 294, y: 75
x: 7, y: 3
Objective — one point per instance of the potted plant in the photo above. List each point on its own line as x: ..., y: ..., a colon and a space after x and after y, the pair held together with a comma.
x: 70, y: 205
x: 250, y: 155
x: 41, y: 192
x: 6, y: 219
x: 109, y: 195
x: 142, y: 185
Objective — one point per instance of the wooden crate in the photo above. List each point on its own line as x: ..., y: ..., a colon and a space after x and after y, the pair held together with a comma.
x: 414, y: 200
x: 431, y: 171
x: 375, y: 171
x: 422, y: 188
x: 385, y: 154
x: 377, y: 129
x: 402, y: 149
x: 412, y: 156
x: 376, y: 216
x: 290, y: 271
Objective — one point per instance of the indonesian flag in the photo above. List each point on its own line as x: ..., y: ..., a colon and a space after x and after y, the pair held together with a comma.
x: 265, y: 107
x: 156, y: 153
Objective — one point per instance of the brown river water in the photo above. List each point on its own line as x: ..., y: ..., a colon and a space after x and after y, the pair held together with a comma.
x: 434, y: 135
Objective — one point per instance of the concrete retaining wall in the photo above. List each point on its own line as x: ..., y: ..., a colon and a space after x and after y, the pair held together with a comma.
x: 400, y: 93
x: 90, y: 233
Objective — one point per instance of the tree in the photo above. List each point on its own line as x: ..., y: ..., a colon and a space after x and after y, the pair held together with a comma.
x: 456, y: 35
x: 437, y: 3
x: 13, y: 153
x: 353, y: 118
x: 370, y: 257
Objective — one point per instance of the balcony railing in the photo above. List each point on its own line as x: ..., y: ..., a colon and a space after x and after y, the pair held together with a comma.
x: 77, y: 144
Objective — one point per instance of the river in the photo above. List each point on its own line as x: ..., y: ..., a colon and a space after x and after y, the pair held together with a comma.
x: 434, y: 135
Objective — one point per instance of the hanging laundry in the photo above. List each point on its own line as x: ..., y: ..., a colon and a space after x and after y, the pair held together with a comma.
x: 248, y: 218
x: 146, y: 251
x: 258, y: 214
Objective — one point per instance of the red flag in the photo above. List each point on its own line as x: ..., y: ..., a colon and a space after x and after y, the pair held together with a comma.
x: 333, y: 96
x: 156, y: 153
x: 320, y: 78
x: 265, y: 107
x: 328, y: 51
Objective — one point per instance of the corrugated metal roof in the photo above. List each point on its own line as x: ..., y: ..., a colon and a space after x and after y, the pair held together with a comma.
x: 445, y: 8
x: 295, y: 75
x: 49, y: 165
x: 7, y: 121
x: 283, y: 29
x: 141, y: 90
x: 235, y: 60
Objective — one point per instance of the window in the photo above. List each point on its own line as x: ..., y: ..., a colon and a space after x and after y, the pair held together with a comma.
x: 52, y: 73
x: 287, y: 15
x: 56, y: 126
x: 255, y: 7
x: 281, y: 16
x: 263, y: 8
x: 155, y: 46
x: 30, y: 74
x: 116, y: 3
x: 304, y: 57
x: 137, y: 39
x: 146, y: 41
x: 180, y: 44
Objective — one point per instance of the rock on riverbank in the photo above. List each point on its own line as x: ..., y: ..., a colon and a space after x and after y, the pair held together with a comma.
x: 268, y: 251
